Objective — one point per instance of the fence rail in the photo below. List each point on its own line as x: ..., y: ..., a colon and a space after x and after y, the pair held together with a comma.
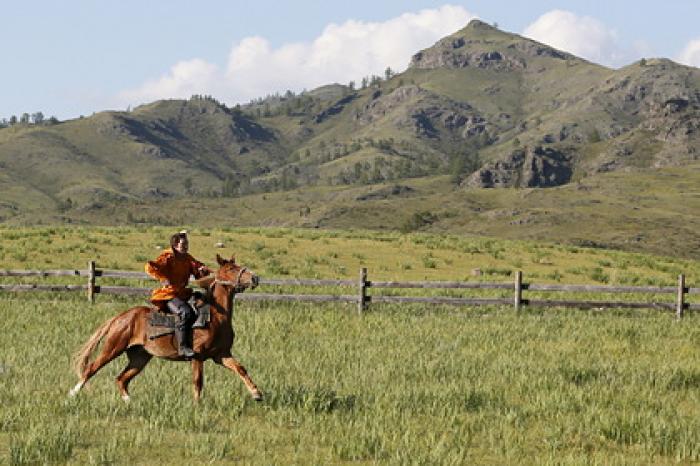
x: 363, y: 298
x: 42, y: 273
x: 453, y: 285
x: 38, y: 287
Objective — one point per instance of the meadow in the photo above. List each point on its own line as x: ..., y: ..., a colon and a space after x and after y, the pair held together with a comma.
x: 312, y: 253
x: 397, y: 385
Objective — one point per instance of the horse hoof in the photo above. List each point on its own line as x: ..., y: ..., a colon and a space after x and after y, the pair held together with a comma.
x: 126, y: 398
x: 257, y: 396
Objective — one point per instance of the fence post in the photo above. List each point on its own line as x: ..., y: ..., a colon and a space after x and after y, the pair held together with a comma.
x: 518, y: 297
x: 363, y: 290
x: 91, y: 281
x: 680, y: 296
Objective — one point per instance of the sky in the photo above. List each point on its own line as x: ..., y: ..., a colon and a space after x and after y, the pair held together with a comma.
x: 78, y: 57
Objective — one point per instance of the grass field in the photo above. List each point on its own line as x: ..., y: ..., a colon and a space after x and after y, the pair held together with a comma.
x: 289, y: 252
x: 398, y: 385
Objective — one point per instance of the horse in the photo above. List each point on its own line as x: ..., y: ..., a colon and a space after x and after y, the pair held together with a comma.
x: 128, y: 333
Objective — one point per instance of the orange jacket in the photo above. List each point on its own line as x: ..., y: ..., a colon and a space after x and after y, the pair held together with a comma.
x: 176, y: 270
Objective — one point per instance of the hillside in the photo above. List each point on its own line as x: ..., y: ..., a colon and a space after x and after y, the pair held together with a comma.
x: 479, y: 109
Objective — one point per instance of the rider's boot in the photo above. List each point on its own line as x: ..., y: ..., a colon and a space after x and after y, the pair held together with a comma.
x: 184, y: 345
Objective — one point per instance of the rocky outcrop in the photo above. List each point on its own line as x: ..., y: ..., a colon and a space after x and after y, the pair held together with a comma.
x: 387, y: 193
x: 430, y: 120
x: 535, y: 49
x: 426, y: 114
x: 529, y: 168
x: 380, y: 105
x: 447, y: 55
x: 150, y: 150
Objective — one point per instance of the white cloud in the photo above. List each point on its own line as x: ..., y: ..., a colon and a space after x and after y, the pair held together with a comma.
x: 582, y: 36
x: 691, y: 54
x: 184, y: 79
x: 342, y: 52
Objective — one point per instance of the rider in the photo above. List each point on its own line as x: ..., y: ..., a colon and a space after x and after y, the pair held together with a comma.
x: 173, y: 268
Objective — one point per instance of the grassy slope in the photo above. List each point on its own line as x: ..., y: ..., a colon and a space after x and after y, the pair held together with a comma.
x: 114, y: 155
x: 644, y: 210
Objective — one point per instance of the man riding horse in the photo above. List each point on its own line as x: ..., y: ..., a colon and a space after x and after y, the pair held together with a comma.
x: 173, y: 268
x: 128, y: 332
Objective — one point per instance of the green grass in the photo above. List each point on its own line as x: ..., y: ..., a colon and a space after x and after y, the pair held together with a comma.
x: 398, y: 384
x: 315, y: 253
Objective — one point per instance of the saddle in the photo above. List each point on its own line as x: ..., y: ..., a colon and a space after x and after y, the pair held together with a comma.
x: 162, y: 323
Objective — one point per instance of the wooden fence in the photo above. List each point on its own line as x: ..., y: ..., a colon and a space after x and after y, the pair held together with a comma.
x: 363, y: 298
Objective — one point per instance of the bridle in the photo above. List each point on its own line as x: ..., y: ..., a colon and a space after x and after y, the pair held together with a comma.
x: 235, y: 284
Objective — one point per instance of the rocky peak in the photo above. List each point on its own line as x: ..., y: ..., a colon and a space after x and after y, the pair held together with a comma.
x: 478, y: 25
x: 480, y: 45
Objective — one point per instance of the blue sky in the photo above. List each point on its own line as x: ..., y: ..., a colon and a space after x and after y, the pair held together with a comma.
x: 77, y: 57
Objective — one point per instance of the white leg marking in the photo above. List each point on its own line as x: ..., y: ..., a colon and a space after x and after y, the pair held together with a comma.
x: 126, y: 398
x: 74, y: 391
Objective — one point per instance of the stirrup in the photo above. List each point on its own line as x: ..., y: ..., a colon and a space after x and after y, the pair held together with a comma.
x: 183, y: 340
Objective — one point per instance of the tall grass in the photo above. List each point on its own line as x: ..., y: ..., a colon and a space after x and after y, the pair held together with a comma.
x: 399, y: 385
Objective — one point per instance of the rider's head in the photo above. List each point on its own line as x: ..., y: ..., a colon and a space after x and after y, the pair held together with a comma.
x: 179, y: 242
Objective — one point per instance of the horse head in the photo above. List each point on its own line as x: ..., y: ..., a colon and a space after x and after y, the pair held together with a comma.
x: 234, y: 276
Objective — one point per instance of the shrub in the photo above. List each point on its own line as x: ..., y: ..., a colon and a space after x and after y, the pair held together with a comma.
x: 598, y: 275
x: 418, y: 220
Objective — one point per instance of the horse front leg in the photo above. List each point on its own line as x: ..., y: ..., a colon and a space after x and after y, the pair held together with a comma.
x: 232, y: 364
x: 197, y: 378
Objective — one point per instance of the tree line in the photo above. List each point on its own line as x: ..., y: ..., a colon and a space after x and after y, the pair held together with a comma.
x: 36, y: 118
x: 290, y: 103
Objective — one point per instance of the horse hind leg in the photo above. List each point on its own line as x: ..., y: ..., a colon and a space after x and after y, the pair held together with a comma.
x: 113, y: 346
x: 232, y: 364
x: 138, y: 358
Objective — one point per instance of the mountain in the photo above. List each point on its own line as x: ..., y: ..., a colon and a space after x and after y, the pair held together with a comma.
x: 558, y: 118
x: 481, y: 108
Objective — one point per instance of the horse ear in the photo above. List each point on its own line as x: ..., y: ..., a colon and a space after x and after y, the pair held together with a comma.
x: 220, y: 260
x: 233, y: 259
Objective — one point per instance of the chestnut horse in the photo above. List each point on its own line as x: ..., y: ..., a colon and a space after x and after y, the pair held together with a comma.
x: 128, y: 332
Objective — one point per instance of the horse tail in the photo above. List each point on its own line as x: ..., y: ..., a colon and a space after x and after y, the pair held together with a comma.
x: 82, y: 357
